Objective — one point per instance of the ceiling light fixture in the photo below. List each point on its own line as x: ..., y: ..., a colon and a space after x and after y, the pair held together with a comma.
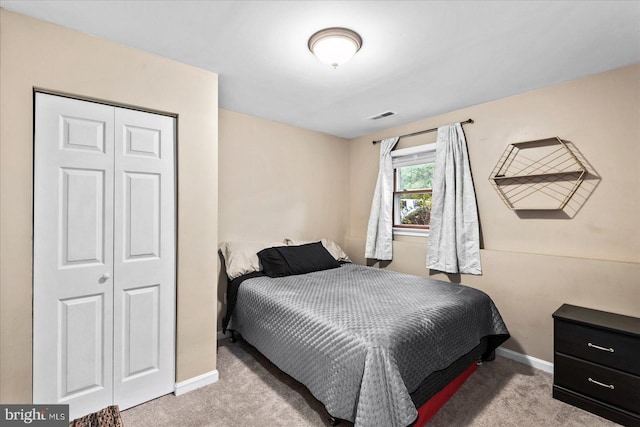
x: 335, y: 46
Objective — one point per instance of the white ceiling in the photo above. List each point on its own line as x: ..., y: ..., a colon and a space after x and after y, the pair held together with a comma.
x: 419, y: 58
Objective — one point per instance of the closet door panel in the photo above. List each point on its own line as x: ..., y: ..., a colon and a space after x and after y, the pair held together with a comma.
x: 82, y: 335
x: 141, y: 340
x: 73, y: 253
x: 82, y: 218
x: 142, y: 208
x: 144, y: 257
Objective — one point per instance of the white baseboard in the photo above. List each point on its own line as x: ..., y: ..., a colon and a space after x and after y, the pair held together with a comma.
x: 534, y: 362
x: 196, y: 382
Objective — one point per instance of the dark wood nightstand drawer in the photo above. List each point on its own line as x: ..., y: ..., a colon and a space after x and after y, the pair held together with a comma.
x: 596, y: 381
x: 608, y: 348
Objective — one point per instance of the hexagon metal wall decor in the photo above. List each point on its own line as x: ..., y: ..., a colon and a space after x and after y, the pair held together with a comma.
x: 537, y: 175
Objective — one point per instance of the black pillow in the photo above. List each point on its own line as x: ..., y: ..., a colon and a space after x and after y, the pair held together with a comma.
x: 273, y: 265
x: 289, y: 260
x: 307, y: 258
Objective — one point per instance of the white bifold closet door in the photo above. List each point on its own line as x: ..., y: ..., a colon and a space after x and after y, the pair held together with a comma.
x: 104, y: 255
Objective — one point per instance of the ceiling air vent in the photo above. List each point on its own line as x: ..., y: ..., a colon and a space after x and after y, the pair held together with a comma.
x: 381, y: 115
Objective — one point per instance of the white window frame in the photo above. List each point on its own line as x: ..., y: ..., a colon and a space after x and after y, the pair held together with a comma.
x: 420, y: 154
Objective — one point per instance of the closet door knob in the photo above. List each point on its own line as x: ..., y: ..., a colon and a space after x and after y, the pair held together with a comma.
x: 106, y: 276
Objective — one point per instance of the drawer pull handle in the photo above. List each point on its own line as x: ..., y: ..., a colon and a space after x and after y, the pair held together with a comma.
x: 591, y: 380
x: 610, y: 350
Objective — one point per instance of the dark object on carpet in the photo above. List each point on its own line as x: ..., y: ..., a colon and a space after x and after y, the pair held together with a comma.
x: 107, y: 417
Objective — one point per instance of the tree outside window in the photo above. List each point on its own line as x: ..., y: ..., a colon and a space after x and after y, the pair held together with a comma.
x: 412, y: 196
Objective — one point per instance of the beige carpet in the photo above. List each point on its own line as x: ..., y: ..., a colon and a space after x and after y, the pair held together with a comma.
x: 253, y: 392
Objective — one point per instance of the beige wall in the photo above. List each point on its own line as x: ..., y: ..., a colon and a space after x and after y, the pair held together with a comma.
x: 588, y: 254
x: 37, y: 54
x: 279, y: 181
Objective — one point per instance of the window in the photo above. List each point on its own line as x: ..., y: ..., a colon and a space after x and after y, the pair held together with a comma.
x: 413, y: 177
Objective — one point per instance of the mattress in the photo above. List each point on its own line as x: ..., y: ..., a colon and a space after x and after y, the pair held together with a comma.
x: 362, y: 339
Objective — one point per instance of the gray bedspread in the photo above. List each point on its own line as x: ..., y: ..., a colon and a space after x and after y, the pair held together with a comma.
x: 361, y: 338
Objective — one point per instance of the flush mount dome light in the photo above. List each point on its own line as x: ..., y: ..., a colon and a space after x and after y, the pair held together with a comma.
x: 335, y: 46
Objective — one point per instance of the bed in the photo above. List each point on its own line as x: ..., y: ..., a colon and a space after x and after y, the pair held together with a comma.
x: 372, y: 345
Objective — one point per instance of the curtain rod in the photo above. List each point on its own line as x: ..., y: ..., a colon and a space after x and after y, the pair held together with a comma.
x: 470, y: 121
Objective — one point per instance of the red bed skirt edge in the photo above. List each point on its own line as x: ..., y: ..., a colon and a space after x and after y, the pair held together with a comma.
x: 431, y: 406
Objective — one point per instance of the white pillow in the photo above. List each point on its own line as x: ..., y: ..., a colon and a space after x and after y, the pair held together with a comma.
x: 241, y: 257
x: 332, y: 247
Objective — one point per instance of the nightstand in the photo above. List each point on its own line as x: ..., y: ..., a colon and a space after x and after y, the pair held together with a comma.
x: 597, y: 362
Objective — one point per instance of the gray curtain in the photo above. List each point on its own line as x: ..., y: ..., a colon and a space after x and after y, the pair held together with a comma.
x: 380, y: 230
x: 454, y: 235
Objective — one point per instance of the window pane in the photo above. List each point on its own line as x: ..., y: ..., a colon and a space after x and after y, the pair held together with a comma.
x: 417, y: 177
x: 414, y: 209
